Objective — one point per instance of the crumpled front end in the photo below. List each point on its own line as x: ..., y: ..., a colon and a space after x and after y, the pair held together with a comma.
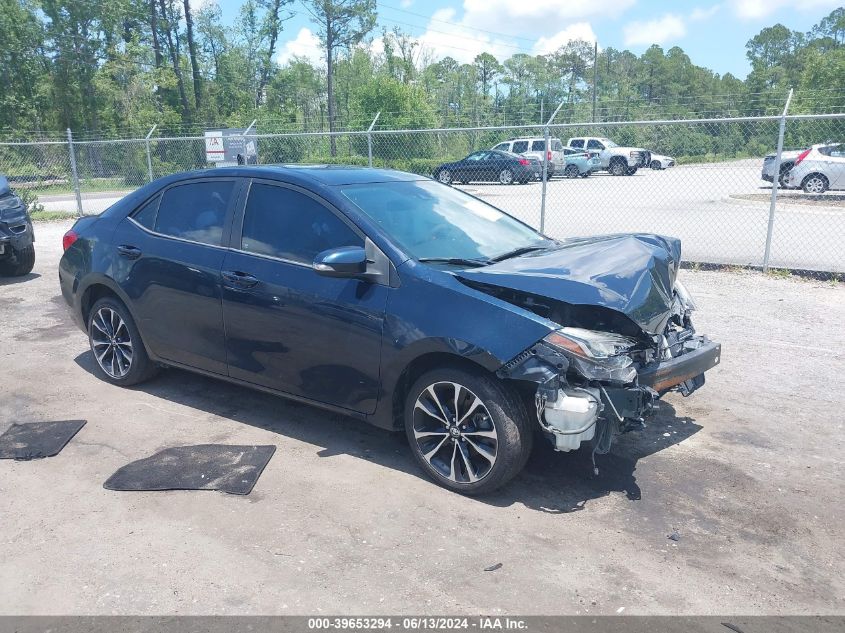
x: 594, y: 385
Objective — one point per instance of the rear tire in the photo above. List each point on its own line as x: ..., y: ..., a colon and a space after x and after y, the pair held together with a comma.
x: 815, y: 183
x: 119, y: 354
x: 24, y: 261
x: 571, y: 171
x: 656, y: 165
x: 444, y: 176
x: 630, y: 171
x: 506, y: 177
x: 479, y: 447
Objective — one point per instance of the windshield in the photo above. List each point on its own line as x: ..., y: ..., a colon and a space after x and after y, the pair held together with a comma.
x: 431, y: 220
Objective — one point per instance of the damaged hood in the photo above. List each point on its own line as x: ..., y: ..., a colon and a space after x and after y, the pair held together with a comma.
x: 633, y: 274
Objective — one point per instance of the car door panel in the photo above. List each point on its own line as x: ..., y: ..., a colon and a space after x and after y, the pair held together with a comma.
x: 174, y: 285
x: 299, y: 332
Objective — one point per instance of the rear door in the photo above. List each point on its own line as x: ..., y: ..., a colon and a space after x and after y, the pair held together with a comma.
x: 835, y: 159
x: 287, y: 327
x: 170, y: 252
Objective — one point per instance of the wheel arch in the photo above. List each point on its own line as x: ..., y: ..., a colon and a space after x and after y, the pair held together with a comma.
x: 419, y: 366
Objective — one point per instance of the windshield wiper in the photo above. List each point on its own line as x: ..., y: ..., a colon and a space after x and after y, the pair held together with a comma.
x: 517, y: 252
x: 457, y: 261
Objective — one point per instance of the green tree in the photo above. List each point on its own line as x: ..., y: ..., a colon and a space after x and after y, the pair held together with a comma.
x: 342, y: 25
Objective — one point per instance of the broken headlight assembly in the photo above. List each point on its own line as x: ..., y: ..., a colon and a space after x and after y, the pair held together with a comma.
x: 596, y: 355
x: 684, y: 296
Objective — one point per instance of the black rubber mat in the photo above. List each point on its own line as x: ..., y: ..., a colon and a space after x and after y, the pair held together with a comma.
x: 232, y: 469
x: 35, y: 440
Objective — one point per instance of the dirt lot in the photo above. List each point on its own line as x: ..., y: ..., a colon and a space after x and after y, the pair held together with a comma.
x: 749, y: 472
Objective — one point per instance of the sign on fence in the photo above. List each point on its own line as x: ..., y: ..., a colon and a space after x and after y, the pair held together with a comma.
x: 229, y: 147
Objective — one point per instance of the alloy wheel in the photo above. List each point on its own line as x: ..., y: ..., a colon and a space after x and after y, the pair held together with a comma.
x: 445, y: 177
x: 454, y: 432
x: 506, y: 177
x: 815, y: 184
x: 111, y: 342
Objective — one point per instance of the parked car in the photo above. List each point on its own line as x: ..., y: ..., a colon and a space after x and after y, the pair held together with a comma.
x: 787, y: 162
x: 536, y: 165
x: 619, y: 161
x: 659, y: 162
x: 486, y: 166
x: 391, y: 298
x: 536, y: 146
x: 819, y: 168
x: 579, y: 163
x: 17, y: 238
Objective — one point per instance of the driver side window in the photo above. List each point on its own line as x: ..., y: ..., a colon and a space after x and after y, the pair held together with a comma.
x: 594, y: 144
x: 290, y: 225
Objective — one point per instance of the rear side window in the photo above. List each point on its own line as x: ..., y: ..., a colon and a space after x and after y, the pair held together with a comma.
x: 287, y: 224
x: 195, y: 211
x: 538, y: 146
x: 594, y: 144
x: 556, y: 145
x: 577, y: 142
x: 520, y: 146
x: 146, y: 215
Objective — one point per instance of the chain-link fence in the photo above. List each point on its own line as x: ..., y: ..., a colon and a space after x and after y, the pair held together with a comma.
x: 700, y: 180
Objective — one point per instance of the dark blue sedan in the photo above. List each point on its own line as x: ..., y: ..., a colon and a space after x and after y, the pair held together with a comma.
x: 391, y: 298
x: 487, y: 166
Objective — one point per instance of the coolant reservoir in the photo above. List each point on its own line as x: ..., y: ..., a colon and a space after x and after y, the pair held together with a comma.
x: 572, y: 417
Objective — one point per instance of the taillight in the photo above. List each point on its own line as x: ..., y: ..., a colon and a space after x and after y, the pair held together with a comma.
x: 801, y: 156
x: 68, y: 239
x: 549, y: 155
x: 523, y: 161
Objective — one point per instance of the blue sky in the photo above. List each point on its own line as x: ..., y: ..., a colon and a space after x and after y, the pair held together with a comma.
x: 712, y: 33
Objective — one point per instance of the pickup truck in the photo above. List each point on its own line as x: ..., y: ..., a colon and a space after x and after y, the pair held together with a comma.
x: 619, y: 161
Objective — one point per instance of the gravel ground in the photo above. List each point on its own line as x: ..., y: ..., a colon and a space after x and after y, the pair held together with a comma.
x: 748, y: 471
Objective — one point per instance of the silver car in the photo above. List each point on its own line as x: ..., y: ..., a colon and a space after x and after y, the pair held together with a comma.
x: 819, y: 168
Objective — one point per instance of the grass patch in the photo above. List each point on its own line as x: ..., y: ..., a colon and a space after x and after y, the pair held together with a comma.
x: 51, y: 216
x: 780, y: 273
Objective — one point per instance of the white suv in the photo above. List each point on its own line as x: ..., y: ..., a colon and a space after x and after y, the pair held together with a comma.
x: 535, y: 146
x: 819, y: 168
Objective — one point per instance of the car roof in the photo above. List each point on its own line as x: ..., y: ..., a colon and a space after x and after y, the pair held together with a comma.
x: 306, y: 174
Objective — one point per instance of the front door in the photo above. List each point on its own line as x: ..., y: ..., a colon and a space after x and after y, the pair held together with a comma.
x: 288, y: 327
x: 168, y: 259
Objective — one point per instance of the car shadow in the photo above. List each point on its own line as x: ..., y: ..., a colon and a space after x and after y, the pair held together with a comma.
x: 552, y: 482
x: 8, y: 281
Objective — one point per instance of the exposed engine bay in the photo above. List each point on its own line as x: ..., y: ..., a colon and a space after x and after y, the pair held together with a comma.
x: 600, y: 375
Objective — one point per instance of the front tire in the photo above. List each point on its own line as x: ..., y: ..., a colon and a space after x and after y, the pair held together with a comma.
x: 467, y: 431
x: 24, y: 261
x: 618, y: 167
x: 119, y: 354
x: 656, y: 165
x: 630, y: 171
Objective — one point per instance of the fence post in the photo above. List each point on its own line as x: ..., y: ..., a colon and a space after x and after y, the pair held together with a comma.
x: 245, y: 134
x: 149, y: 159
x: 775, y: 184
x: 370, y: 138
x: 74, y: 173
x: 546, y: 152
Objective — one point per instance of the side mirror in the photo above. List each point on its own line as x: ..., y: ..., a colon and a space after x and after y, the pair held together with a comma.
x: 346, y: 261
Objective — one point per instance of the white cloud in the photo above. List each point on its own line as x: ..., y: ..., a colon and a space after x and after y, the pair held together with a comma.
x: 755, y: 9
x: 406, y: 3
x: 305, y: 44
x: 459, y: 41
x: 577, y: 31
x: 536, y: 18
x: 658, y: 31
x: 700, y: 14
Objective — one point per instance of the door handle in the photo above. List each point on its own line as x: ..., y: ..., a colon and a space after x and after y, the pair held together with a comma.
x: 129, y: 252
x: 239, y: 279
